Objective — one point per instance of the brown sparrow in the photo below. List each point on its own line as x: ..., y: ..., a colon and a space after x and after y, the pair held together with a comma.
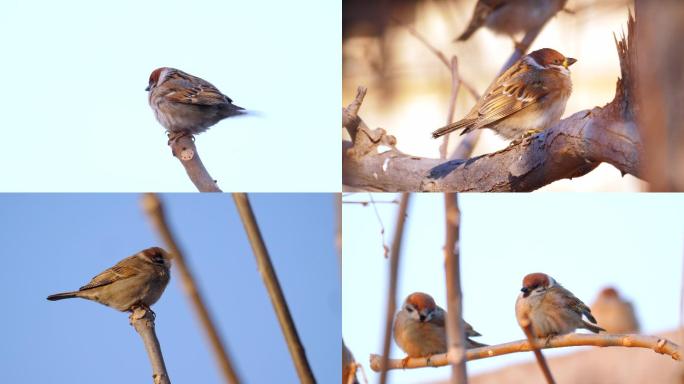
x: 419, y: 327
x: 551, y: 309
x: 138, y: 280
x: 185, y: 104
x: 614, y: 313
x: 529, y: 97
x: 511, y: 17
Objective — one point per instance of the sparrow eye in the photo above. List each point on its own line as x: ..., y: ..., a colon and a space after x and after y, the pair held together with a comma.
x: 409, y: 309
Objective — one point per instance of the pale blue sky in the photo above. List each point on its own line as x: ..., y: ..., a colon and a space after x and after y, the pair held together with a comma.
x: 75, y: 113
x: 53, y: 243
x: 585, y: 241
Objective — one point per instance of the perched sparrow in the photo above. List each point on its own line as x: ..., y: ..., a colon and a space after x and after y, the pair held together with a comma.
x: 185, y: 104
x: 529, y: 97
x: 614, y: 313
x: 551, y: 309
x: 419, y: 327
x: 511, y: 17
x: 138, y: 280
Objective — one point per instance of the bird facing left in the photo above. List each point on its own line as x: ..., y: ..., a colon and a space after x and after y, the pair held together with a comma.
x: 136, y: 281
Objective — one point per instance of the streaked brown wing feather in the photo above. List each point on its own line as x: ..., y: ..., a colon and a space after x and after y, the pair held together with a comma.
x: 117, y: 272
x: 508, y: 98
x: 194, y: 90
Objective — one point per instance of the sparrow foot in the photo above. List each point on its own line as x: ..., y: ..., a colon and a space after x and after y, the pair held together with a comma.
x: 175, y: 136
x: 524, y: 137
x: 404, y: 362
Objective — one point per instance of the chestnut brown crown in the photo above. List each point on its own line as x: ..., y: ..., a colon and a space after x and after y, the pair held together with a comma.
x: 548, y: 56
x: 421, y: 301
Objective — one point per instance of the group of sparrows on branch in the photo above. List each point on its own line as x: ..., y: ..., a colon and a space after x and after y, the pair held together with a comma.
x: 544, y: 304
x: 530, y: 96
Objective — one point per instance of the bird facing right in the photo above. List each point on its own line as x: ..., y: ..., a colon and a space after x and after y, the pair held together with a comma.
x: 551, y: 309
x: 419, y: 327
x: 528, y: 97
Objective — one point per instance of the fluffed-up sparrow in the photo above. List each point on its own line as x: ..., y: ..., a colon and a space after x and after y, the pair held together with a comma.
x: 615, y: 314
x: 185, y: 104
x: 529, y: 97
x: 551, y: 309
x: 419, y: 327
x: 511, y: 17
x: 136, y: 281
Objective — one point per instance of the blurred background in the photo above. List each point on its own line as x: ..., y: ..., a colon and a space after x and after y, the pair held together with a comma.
x: 55, y: 243
x: 77, y: 115
x: 631, y: 242
x: 409, y: 88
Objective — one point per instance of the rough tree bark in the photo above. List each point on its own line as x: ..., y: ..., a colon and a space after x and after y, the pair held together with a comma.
x: 142, y: 319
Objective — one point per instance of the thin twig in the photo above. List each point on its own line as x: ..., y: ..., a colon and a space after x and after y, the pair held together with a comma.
x: 538, y: 355
x: 440, y: 55
x: 655, y: 343
x: 393, y: 277
x: 270, y: 278
x: 185, y: 151
x: 455, y: 332
x: 142, y: 319
x: 155, y: 210
x: 455, y: 86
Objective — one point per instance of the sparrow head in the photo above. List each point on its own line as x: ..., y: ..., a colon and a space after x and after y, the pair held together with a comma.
x: 156, y: 78
x: 420, y: 306
x: 609, y: 292
x: 157, y: 256
x: 550, y: 59
x: 536, y: 283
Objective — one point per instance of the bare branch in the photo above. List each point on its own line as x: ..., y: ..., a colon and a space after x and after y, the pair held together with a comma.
x: 270, y: 278
x: 526, y: 326
x: 393, y: 277
x: 657, y: 344
x: 155, y: 210
x: 456, y: 345
x: 142, y: 319
x: 185, y: 151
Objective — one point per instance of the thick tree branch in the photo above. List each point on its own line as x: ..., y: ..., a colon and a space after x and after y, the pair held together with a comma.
x: 185, y: 151
x: 657, y: 344
x: 155, y: 210
x: 272, y: 285
x: 142, y: 319
x: 571, y: 148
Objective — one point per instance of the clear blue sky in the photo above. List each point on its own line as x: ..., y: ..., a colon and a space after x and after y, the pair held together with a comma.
x: 76, y: 113
x: 586, y: 241
x: 53, y: 243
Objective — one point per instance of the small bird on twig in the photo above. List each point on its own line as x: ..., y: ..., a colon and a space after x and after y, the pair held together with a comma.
x: 419, y: 327
x: 528, y: 98
x: 136, y: 281
x: 614, y: 313
x: 185, y: 104
x: 511, y: 17
x: 551, y: 309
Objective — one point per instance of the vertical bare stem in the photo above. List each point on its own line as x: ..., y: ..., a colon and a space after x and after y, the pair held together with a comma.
x: 455, y: 87
x: 395, y: 252
x: 185, y: 151
x: 273, y: 287
x: 142, y: 319
x: 527, y: 328
x: 155, y: 210
x: 455, y: 333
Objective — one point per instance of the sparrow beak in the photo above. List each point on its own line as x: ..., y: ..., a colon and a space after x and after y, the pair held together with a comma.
x: 569, y: 61
x: 147, y: 89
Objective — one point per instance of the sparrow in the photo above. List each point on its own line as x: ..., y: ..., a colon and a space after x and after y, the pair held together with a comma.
x: 511, y: 17
x: 419, y: 327
x: 551, y: 309
x: 614, y: 313
x: 185, y: 104
x: 136, y: 281
x: 528, y: 97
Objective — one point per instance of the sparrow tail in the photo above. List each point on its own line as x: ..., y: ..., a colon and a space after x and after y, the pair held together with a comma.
x: 592, y: 327
x: 470, y: 344
x: 452, y: 127
x: 60, y: 296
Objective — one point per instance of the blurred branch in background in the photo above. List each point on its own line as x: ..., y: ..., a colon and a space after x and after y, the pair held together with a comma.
x: 456, y: 345
x: 270, y: 278
x: 185, y: 151
x: 569, y: 149
x: 349, y: 366
x: 395, y: 253
x: 142, y: 319
x: 155, y: 210
x: 657, y: 344
x: 660, y: 91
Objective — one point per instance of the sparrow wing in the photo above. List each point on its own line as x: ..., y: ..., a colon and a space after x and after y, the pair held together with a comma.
x: 513, y: 93
x: 189, y: 89
x: 483, y: 9
x: 578, y: 306
x: 120, y: 271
